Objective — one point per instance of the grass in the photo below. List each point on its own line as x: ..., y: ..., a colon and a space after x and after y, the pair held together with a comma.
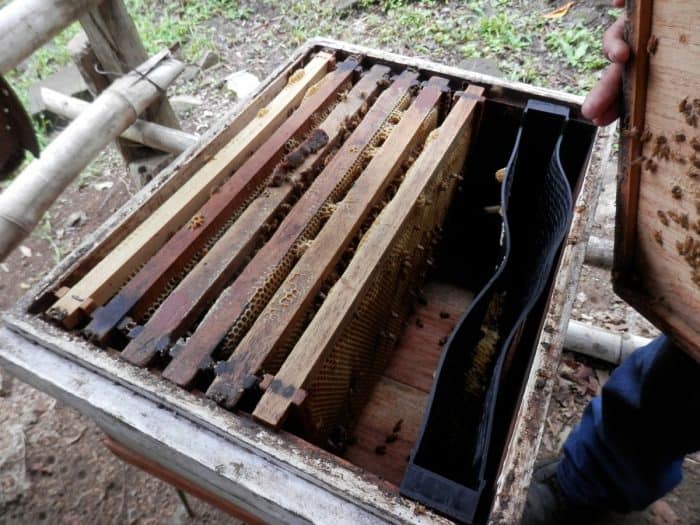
x: 517, y: 38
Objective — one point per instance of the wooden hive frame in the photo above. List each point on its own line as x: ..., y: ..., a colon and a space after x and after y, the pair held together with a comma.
x: 657, y: 249
x: 340, y: 491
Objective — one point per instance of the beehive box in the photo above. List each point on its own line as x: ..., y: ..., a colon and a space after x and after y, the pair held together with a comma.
x: 658, y: 223
x: 359, y: 216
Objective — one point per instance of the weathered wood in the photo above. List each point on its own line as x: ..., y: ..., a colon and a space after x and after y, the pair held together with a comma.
x: 198, y: 289
x: 294, y: 296
x: 189, y: 244
x: 85, y: 60
x: 248, y: 477
x: 245, y: 294
x: 152, y: 135
x: 116, y: 43
x: 23, y: 204
x: 446, y: 149
x: 657, y: 267
x: 117, y: 227
x: 91, y: 71
x: 26, y: 25
x: 166, y: 474
x: 104, y: 279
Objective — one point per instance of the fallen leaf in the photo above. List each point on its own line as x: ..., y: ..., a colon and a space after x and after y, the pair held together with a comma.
x: 26, y: 251
x: 559, y: 12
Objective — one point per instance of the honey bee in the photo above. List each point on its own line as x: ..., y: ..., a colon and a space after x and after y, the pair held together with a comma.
x: 442, y: 341
x: 419, y: 322
x: 684, y: 221
x: 677, y: 192
x: 397, y: 426
x: 692, y: 120
x: 380, y: 450
x: 646, y: 136
x: 693, y: 174
x: 650, y: 166
x: 652, y: 44
x: 658, y: 237
x: 444, y: 315
x: 196, y: 222
x: 383, y: 82
x: 662, y: 217
x: 391, y: 438
x: 679, y: 137
x: 630, y: 133
x: 684, y: 106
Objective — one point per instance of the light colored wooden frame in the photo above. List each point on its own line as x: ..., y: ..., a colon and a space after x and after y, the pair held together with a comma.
x: 157, y: 412
x: 648, y: 272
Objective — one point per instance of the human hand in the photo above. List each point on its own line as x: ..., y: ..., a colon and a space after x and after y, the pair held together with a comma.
x: 602, y: 103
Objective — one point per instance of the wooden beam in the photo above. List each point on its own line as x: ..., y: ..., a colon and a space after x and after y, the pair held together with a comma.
x: 198, y: 289
x: 26, y: 25
x: 291, y: 301
x: 444, y: 152
x: 116, y: 43
x: 153, y: 135
x: 245, y: 297
x: 105, y: 278
x: 23, y: 204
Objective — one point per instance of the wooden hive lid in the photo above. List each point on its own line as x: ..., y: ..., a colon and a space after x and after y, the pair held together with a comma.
x: 657, y: 247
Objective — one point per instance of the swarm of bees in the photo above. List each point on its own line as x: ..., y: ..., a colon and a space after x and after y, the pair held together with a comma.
x: 690, y: 110
x: 671, y: 149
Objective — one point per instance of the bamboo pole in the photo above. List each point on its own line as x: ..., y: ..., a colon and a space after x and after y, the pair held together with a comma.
x: 26, y: 25
x: 35, y: 189
x: 153, y: 135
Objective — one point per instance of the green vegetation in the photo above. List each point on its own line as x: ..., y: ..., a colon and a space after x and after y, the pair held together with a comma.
x: 563, y: 53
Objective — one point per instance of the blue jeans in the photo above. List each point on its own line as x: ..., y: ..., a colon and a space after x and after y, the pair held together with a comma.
x: 628, y: 450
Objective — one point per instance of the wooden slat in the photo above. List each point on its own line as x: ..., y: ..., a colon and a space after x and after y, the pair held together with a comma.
x: 210, y: 275
x: 295, y: 295
x: 319, y: 338
x: 633, y: 124
x: 234, y: 300
x: 179, y: 250
x: 105, y: 278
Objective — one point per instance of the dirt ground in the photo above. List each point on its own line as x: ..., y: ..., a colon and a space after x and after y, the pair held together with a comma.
x: 54, y: 468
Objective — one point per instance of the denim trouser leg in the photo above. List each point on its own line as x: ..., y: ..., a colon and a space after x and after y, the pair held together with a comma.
x: 627, y: 451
